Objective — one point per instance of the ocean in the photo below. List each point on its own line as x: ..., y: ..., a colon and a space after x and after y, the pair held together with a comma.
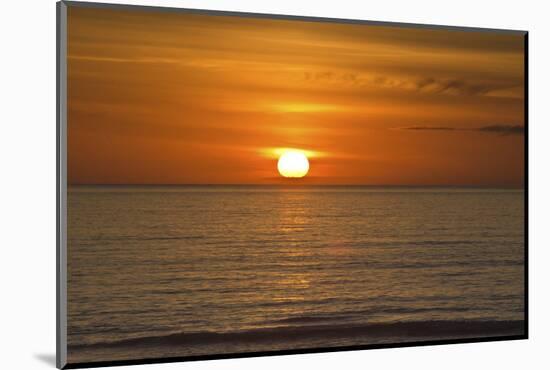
x: 169, y: 271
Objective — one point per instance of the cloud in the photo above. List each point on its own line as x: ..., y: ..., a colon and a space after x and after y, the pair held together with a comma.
x: 428, y: 128
x: 450, y: 86
x: 492, y: 129
x: 454, y: 86
x: 503, y: 129
x: 457, y: 86
x: 124, y: 60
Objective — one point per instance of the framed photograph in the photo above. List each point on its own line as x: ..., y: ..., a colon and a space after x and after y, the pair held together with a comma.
x: 235, y: 184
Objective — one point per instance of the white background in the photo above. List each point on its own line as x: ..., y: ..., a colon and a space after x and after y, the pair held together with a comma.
x: 27, y: 193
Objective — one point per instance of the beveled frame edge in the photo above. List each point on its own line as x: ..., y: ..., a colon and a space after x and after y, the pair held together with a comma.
x: 61, y: 185
x: 61, y: 188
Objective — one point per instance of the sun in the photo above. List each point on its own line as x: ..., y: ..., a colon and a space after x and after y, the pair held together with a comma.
x: 293, y: 164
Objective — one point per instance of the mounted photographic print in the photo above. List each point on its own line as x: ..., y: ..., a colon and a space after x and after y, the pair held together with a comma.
x: 235, y: 184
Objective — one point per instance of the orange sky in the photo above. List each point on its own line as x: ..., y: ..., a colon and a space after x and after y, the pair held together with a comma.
x: 174, y: 98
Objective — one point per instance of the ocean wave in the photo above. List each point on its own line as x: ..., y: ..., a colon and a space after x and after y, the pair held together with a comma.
x: 351, y: 316
x: 278, y: 334
x: 138, y: 238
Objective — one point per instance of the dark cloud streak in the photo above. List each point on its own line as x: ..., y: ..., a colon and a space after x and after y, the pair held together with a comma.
x: 456, y: 86
x: 503, y: 130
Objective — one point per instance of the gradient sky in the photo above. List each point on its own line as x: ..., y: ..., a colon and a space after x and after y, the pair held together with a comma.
x: 174, y: 98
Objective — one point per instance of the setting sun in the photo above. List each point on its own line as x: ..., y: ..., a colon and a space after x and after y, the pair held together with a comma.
x: 293, y: 164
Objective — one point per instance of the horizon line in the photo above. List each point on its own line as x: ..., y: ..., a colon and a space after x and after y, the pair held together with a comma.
x: 303, y: 184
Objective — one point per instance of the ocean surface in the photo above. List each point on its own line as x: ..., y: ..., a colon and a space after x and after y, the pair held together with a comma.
x: 163, y: 271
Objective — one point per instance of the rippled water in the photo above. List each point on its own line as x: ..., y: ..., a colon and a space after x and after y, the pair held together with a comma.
x: 150, y: 262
